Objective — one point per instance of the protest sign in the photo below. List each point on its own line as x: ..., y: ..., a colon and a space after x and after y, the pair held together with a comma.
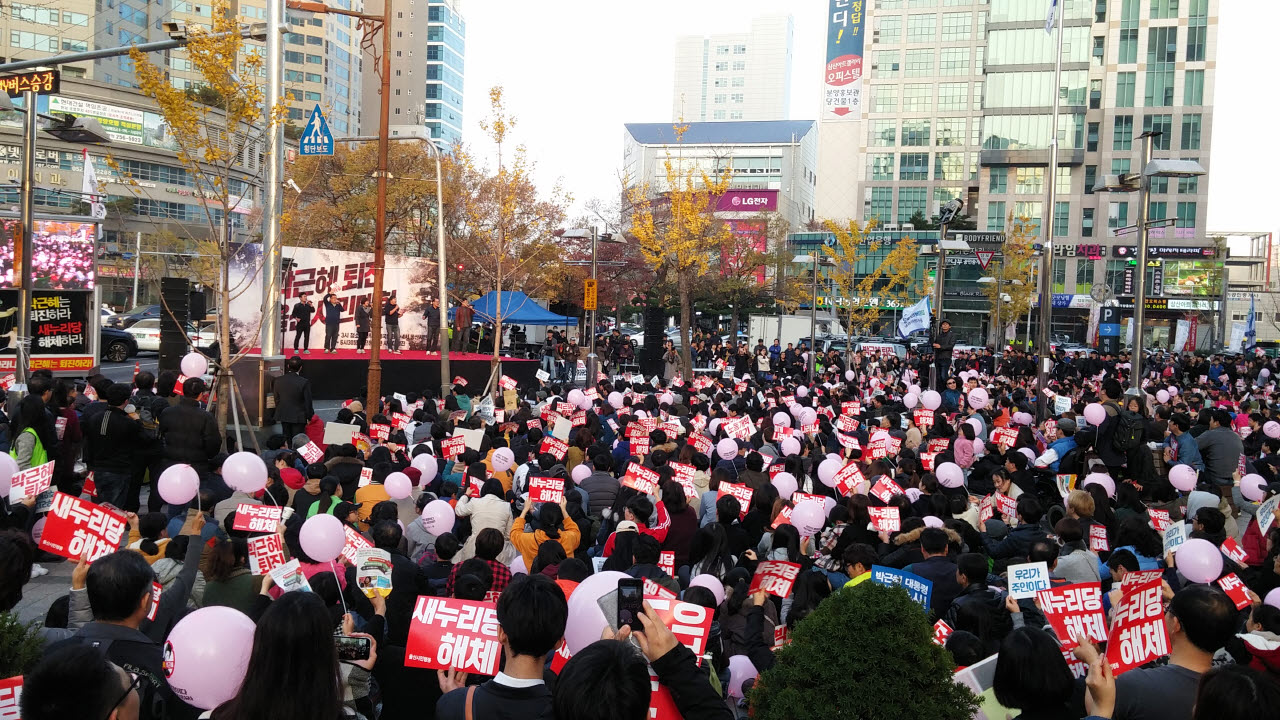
x: 641, y: 479
x: 917, y: 587
x: 156, y: 591
x: 339, y: 433
x: 941, y: 631
x: 667, y: 561
x: 775, y: 577
x: 799, y: 497
x: 311, y: 452
x: 654, y: 590
x: 30, y: 482
x: 1005, y: 505
x: 448, y: 633
x: 453, y: 447
x: 1027, y: 579
x: 1235, y: 589
x: 986, y: 509
x: 542, y: 375
x: 742, y: 492
x: 885, y: 489
x: 702, y: 443
x: 288, y: 577
x: 848, y: 479
x: 683, y: 474
x: 1266, y: 513
x: 784, y: 517
x: 546, y: 490
x: 366, y: 476
x: 928, y: 461
x: 1140, y: 577
x: 355, y: 543
x: 1137, y: 630
x: 885, y: 519
x: 507, y: 383
x: 1174, y: 535
x: 923, y: 418
x: 1232, y: 549
x: 1004, y: 436
x: 876, y: 449
x: 74, y: 527
x: 379, y: 431
x: 641, y: 445
x: 10, y: 698
x: 1159, y: 519
x: 1074, y: 610
x: 266, y: 553
x: 373, y: 571
x: 557, y: 448
x: 938, y: 445
x: 256, y: 518
x: 738, y: 428
x: 1098, y: 538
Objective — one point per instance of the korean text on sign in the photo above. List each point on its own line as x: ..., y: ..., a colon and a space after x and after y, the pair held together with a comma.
x: 75, y: 527
x: 1137, y: 631
x: 447, y: 633
x: 558, y: 448
x: 775, y: 577
x: 256, y: 518
x: 740, y: 491
x: 917, y: 587
x: 640, y: 478
x: 546, y: 490
x: 265, y: 554
x: 30, y: 482
x: 1075, y: 610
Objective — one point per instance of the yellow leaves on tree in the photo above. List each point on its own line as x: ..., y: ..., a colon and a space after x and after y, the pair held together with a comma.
x: 868, y: 283
x: 1014, y: 272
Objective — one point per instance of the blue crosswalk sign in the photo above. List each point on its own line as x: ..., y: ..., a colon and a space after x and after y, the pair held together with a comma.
x: 316, y: 138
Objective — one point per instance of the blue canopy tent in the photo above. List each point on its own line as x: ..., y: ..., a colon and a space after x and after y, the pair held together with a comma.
x: 517, y: 309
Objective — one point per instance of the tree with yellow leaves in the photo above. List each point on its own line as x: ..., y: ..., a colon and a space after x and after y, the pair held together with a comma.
x: 867, y: 283
x: 213, y: 142
x: 1014, y: 271
x: 678, y: 231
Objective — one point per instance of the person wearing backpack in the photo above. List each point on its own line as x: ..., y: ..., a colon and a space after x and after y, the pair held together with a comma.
x: 147, y: 408
x: 1119, y: 432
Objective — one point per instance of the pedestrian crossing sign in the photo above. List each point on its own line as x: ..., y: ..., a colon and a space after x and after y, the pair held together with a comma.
x: 316, y: 138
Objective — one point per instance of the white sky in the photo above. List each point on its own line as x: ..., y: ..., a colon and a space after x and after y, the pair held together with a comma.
x: 576, y: 70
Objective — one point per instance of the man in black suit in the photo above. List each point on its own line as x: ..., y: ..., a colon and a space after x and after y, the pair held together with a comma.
x: 293, y: 399
x: 302, y: 312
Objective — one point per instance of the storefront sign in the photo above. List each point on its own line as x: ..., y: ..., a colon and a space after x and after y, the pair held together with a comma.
x: 747, y: 201
x: 1092, y: 251
x: 1165, y: 251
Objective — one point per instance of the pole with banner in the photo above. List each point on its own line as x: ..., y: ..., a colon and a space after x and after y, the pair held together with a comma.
x: 1043, y: 359
x: 842, y: 77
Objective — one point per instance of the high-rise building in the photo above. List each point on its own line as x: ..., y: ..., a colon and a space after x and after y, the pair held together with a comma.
x: 428, y: 46
x: 957, y: 102
x: 735, y: 76
x: 40, y: 29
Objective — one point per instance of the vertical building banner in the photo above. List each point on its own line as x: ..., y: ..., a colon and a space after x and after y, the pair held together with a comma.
x: 842, y: 82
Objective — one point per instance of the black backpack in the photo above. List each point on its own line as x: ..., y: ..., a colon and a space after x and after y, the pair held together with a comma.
x: 1131, y: 428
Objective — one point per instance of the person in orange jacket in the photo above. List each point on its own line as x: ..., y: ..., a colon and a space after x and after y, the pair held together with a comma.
x: 554, y: 524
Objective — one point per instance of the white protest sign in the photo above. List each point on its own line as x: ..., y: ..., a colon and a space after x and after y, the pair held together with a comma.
x: 1028, y: 579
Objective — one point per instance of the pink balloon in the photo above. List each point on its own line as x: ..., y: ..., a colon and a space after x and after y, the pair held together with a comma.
x: 194, y: 364
x: 978, y: 398
x: 790, y: 446
x: 808, y: 517
x: 933, y: 521
x: 428, y: 466
x: 616, y: 401
x: 502, y: 459
x: 712, y: 583
x: 910, y: 400
x: 178, y: 484
x: 931, y: 399
x: 849, y: 375
x: 950, y: 475
x: 1102, y: 479
x: 1199, y: 561
x: 438, y: 517
x: 1162, y: 396
x: 1022, y: 418
x: 586, y: 619
x: 206, y: 654
x: 518, y: 566
x: 1253, y: 487
x: 1271, y: 429
x: 8, y: 466
x: 802, y: 391
x: 1094, y: 413
x: 398, y: 485
x: 245, y: 472
x: 322, y: 537
x: 575, y: 397
x: 37, y: 529
x: 1028, y: 452
x: 808, y: 416
x: 1173, y: 391
x: 978, y: 447
x: 667, y: 399
x: 781, y: 419
x: 580, y: 472
x: 976, y: 423
x: 827, y: 470
x: 727, y: 449
x: 1273, y: 598
x: 1183, y: 477
x: 741, y: 669
x: 914, y: 390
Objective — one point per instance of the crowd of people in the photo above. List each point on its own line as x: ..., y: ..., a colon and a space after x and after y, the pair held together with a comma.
x: 689, y: 484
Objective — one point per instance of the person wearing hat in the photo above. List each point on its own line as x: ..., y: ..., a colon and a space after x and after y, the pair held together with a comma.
x: 1059, y: 448
x: 348, y: 513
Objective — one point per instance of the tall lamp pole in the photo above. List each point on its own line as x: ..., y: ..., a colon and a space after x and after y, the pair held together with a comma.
x: 1050, y: 214
x: 946, y: 215
x: 270, y: 336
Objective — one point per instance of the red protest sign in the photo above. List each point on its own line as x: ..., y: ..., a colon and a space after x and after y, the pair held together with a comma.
x: 885, y: 489
x: 885, y: 519
x: 654, y: 590
x: 90, y: 487
x: 74, y: 527
x: 740, y: 491
x: 667, y: 561
x: 986, y: 509
x: 683, y: 474
x: 366, y: 476
x: 10, y: 697
x: 256, y: 518
x: 1232, y: 549
x: 447, y: 633
x: 848, y: 479
x: 561, y: 657
x: 846, y: 424
x: 31, y: 482
x: 941, y: 631
x: 799, y: 497
x: 928, y: 460
x: 156, y: 591
x: 877, y: 449
x: 923, y: 418
x: 892, y: 445
x: 848, y: 441
x: 641, y: 478
x: 1137, y: 631
x: 507, y: 383
x: 459, y: 380
x: 556, y: 447
x: 1159, y: 519
x: 641, y: 445
x: 1075, y: 610
x: 380, y: 432
x: 546, y: 490
x: 1005, y: 505
x: 1235, y: 589
x: 1004, y: 436
x: 784, y: 517
x: 938, y: 445
x: 775, y: 577
x: 702, y: 444
x: 1140, y: 577
x: 266, y: 553
x: 355, y: 543
x: 781, y: 637
x: 453, y: 447
x: 1098, y: 538
x: 311, y: 452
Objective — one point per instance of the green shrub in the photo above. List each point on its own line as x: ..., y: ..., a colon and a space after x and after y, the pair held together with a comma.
x: 20, y: 646
x: 865, y: 652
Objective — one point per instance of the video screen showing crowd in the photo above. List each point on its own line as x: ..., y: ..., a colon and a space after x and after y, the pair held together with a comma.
x: 669, y: 545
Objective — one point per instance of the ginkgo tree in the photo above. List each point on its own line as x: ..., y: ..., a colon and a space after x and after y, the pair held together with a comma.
x: 678, y: 232
x: 867, y: 281
x: 1014, y: 273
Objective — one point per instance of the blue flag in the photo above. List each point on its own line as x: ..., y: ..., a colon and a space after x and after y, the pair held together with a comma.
x: 1250, y: 330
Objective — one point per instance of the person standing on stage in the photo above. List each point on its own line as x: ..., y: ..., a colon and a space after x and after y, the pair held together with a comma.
x: 332, y: 322
x: 364, y: 316
x: 392, y: 318
x: 433, y: 325
x: 302, y: 312
x: 462, y: 317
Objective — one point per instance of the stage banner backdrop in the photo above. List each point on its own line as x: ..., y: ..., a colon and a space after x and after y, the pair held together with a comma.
x: 320, y: 272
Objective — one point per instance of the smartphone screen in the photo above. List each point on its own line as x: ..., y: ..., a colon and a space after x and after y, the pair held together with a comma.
x: 630, y: 603
x: 352, y: 648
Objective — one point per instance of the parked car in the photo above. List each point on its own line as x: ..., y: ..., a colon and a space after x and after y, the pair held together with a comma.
x: 117, y: 345
x: 146, y: 333
x: 141, y: 312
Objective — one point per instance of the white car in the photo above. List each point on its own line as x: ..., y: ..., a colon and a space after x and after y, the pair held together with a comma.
x: 147, y: 334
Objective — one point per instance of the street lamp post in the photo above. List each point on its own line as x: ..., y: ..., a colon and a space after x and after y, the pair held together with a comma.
x: 593, y: 360
x: 812, y: 364
x: 946, y: 215
x: 1142, y: 183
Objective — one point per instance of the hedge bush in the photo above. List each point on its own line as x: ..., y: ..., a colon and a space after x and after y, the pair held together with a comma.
x: 865, y: 652
x: 20, y: 646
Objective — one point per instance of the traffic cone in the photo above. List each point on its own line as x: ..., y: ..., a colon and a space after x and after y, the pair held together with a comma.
x: 137, y: 368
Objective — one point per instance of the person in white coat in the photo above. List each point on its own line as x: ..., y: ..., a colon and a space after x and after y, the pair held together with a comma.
x: 490, y: 510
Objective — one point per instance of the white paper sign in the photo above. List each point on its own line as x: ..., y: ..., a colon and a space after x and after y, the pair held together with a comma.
x: 1028, y: 579
x: 542, y: 375
x: 561, y: 430
x: 339, y: 433
x: 1175, y: 535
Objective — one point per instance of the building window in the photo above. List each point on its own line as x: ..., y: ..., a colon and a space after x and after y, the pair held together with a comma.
x: 882, y: 133
x: 1084, y: 276
x: 1091, y: 139
x: 1164, y: 9
x: 884, y: 98
x: 720, y: 82
x: 996, y: 216
x: 919, y: 62
x: 999, y: 180
x: 1030, y: 181
x: 1193, y: 87
x: 915, y: 133
x: 880, y: 166
x: 917, y: 97
x: 885, y: 63
x: 949, y: 166
x: 881, y: 204
x: 914, y: 166
x: 720, y: 98
x: 735, y: 115
x: 1059, y: 276
x: 953, y: 96
x: 739, y: 82
x: 1117, y: 216
x: 717, y: 115
x: 1086, y: 222
x: 1190, y: 184
x: 1162, y: 124
x: 1197, y: 30
x: 1123, y: 134
x: 1186, y: 215
x: 954, y: 61
x: 922, y: 28
x: 722, y: 49
x: 739, y: 49
x: 950, y: 131
x: 1191, y: 131
x: 1126, y: 82
x: 739, y: 65
x: 910, y: 202
x: 956, y: 26
x: 1099, y: 50
x: 889, y: 29
x: 722, y: 67
x: 1115, y: 273
x: 737, y: 98
x: 1157, y: 210
x: 1090, y: 178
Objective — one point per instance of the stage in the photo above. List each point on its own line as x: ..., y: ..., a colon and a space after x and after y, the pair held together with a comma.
x: 342, y: 375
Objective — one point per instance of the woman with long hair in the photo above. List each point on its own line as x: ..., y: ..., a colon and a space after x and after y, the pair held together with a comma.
x: 709, y: 553
x: 490, y: 510
x: 293, y: 671
x: 227, y: 580
x: 32, y: 433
